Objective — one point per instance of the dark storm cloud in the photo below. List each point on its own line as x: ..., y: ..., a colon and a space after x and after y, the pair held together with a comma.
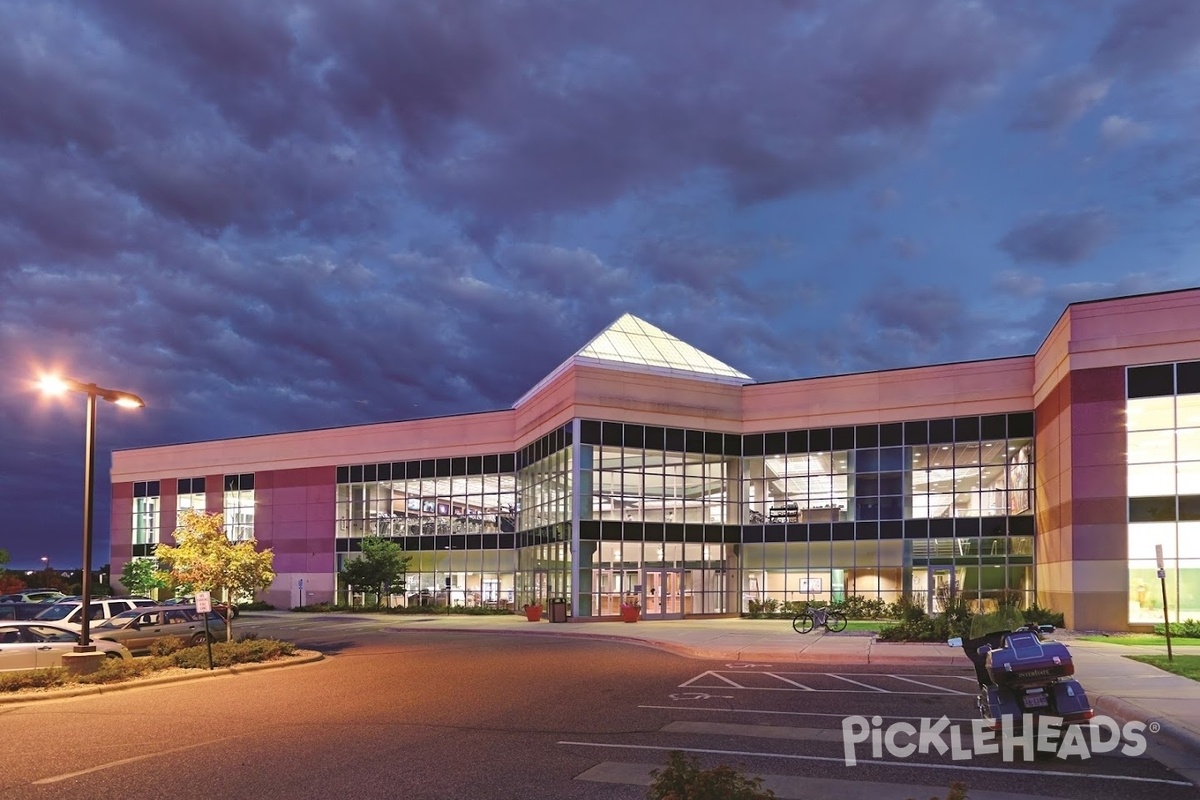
x: 1152, y: 36
x: 522, y: 110
x: 1062, y: 239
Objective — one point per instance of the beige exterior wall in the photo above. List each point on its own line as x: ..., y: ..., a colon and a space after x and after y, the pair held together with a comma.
x: 1079, y: 390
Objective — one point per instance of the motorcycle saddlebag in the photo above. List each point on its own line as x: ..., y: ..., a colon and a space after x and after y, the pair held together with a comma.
x: 1070, y: 701
x: 1001, y: 702
x: 1025, y: 660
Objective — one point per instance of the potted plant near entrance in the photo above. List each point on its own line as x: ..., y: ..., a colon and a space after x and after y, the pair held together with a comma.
x: 631, y: 609
x: 533, y: 610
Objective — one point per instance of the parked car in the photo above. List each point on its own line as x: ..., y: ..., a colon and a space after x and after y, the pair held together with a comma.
x: 142, y: 627
x: 69, y: 613
x: 37, y: 645
x: 219, y: 607
x: 33, y: 596
x: 21, y: 610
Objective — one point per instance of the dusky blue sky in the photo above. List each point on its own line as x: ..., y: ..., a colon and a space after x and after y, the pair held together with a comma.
x: 275, y: 215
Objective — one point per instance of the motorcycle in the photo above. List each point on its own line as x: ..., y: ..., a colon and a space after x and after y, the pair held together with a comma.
x: 1022, y: 679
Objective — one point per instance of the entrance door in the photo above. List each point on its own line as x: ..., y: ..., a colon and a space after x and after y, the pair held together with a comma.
x: 662, y: 593
x: 941, y: 588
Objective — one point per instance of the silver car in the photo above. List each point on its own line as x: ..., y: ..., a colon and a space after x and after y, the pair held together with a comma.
x: 37, y: 645
x: 142, y: 627
x: 69, y: 613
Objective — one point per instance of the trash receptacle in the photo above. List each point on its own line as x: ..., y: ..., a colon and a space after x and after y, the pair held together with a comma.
x: 558, y: 609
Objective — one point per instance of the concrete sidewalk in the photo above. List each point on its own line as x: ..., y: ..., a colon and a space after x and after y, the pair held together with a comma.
x: 1117, y: 687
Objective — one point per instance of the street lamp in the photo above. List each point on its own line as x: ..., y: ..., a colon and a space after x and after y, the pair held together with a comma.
x: 55, y: 385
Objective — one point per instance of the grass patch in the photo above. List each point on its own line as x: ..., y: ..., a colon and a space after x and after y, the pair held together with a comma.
x: 1187, y: 666
x: 1142, y: 639
x: 868, y: 625
x: 225, y: 654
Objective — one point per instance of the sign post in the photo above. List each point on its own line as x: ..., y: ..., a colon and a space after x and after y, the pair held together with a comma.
x: 1162, y: 577
x: 204, y: 607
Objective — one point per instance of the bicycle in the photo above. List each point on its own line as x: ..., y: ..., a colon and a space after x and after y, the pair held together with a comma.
x: 832, y: 621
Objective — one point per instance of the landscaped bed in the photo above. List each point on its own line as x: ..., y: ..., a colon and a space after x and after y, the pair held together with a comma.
x: 170, y: 655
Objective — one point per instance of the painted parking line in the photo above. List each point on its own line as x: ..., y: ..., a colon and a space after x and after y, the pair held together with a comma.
x: 859, y: 683
x: 1007, y: 769
x: 787, y: 680
x: 775, y: 712
x: 930, y: 685
x: 829, y: 682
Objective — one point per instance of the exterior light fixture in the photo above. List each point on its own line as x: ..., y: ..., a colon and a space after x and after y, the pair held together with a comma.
x: 50, y: 384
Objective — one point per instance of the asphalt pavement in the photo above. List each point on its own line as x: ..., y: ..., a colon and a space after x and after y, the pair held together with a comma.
x: 1118, y: 687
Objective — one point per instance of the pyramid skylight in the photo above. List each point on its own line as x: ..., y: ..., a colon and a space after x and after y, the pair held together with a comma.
x: 634, y: 344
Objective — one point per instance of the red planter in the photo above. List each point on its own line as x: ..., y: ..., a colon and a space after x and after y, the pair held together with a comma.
x: 630, y: 613
x: 533, y: 613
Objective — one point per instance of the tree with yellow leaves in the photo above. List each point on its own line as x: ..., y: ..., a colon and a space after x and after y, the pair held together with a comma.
x: 204, y: 559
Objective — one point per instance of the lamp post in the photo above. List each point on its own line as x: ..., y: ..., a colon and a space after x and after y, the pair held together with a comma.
x: 54, y: 385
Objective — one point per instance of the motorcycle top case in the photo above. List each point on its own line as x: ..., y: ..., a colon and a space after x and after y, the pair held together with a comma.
x: 1025, y: 660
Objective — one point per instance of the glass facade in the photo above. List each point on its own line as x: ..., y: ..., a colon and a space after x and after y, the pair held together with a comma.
x: 456, y: 518
x: 1163, y: 483
x: 702, y: 522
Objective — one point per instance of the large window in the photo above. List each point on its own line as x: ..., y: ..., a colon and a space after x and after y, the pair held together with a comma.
x: 146, y: 520
x: 455, y: 517
x: 190, y: 495
x: 239, y: 507
x: 1163, y: 482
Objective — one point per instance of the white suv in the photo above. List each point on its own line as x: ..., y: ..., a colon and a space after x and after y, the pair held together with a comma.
x: 69, y: 613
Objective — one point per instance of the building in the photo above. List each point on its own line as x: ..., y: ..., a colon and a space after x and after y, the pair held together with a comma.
x: 641, y: 467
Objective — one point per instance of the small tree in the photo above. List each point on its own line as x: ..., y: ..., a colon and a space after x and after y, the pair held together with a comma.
x: 381, y: 566
x: 3, y: 557
x: 142, y: 576
x: 204, y: 559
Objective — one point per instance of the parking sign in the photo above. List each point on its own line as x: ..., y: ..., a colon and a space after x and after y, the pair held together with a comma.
x: 203, y: 602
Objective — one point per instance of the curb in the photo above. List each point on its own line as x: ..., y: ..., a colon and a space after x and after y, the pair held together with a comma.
x: 750, y: 653
x: 1126, y: 711
x: 308, y: 657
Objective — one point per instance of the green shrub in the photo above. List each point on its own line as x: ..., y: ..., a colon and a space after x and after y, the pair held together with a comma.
x: 166, y: 645
x: 915, y: 625
x: 116, y: 670
x: 33, y: 679
x: 257, y: 605
x: 1188, y: 627
x: 1036, y: 615
x: 682, y: 779
x: 413, y: 609
x: 226, y: 654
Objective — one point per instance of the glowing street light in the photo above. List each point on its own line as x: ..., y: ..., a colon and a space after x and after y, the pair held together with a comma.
x: 56, y: 385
